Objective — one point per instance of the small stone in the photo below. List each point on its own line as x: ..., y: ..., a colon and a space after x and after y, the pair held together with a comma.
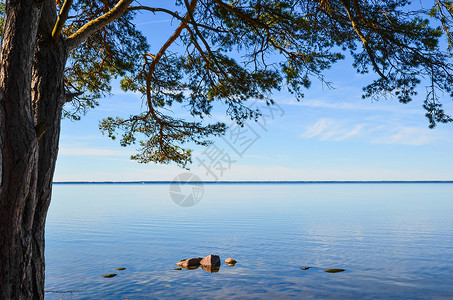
x: 120, y: 269
x: 211, y: 260
x: 305, y: 268
x: 178, y: 269
x: 334, y: 270
x: 109, y: 275
x: 230, y: 261
x: 191, y: 262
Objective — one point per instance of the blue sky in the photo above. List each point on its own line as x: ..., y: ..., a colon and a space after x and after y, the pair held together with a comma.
x: 332, y: 134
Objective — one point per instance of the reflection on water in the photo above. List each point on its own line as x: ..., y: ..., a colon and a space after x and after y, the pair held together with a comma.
x: 393, y: 240
x: 210, y: 269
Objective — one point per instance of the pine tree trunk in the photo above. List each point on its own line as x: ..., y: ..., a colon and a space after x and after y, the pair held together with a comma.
x: 19, y: 151
x: 31, y: 99
x: 48, y: 99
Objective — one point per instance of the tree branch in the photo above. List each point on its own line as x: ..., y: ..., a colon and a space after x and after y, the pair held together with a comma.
x: 364, y: 41
x: 174, y: 15
x: 238, y: 13
x: 91, y: 27
x: 62, y: 17
x: 204, y: 41
x: 161, y: 52
x: 155, y: 9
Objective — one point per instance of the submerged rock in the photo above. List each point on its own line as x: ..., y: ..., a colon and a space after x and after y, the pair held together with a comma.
x: 191, y: 262
x: 178, y: 268
x: 211, y: 260
x: 334, y: 270
x: 109, y: 275
x: 120, y: 269
x: 210, y: 263
x: 230, y: 261
x: 306, y: 268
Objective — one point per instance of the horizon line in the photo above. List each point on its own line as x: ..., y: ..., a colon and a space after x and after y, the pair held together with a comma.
x: 252, y: 181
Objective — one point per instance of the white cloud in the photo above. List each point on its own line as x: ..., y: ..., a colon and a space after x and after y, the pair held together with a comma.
x: 257, y: 156
x: 275, y: 172
x: 353, y: 132
x: 412, y: 136
x: 359, y: 105
x: 154, y: 22
x: 372, y: 132
x: 70, y: 151
x: 239, y: 172
x: 329, y: 129
x: 318, y: 128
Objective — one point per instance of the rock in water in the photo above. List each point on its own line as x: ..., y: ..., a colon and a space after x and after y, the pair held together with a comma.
x: 211, y: 260
x: 334, y: 270
x: 230, y: 261
x: 109, y: 275
x: 120, y: 269
x: 305, y: 268
x: 191, y: 262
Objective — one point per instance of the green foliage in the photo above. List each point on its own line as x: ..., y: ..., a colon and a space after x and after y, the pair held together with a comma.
x: 162, y: 133
x: 229, y: 52
x: 443, y: 11
x: 115, y: 50
x: 246, y: 49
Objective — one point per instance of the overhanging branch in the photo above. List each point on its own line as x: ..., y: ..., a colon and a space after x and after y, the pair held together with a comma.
x: 161, y: 52
x: 174, y: 15
x: 364, y: 41
x: 62, y: 17
x: 91, y: 27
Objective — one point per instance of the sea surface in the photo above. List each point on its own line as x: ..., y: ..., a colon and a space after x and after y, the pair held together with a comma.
x: 394, y: 241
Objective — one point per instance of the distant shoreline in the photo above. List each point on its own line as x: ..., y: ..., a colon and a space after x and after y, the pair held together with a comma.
x: 260, y: 182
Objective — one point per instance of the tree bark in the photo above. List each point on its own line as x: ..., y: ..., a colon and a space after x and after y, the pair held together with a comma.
x: 19, y: 150
x: 48, y: 100
x: 31, y: 100
x: 32, y: 96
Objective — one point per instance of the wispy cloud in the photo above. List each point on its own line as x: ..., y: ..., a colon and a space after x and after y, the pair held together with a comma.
x: 358, y: 106
x: 257, y: 156
x: 318, y: 128
x: 274, y: 172
x: 69, y: 151
x: 384, y: 133
x: 329, y: 129
x: 351, y: 133
x: 262, y: 172
x: 154, y: 22
x: 412, y: 136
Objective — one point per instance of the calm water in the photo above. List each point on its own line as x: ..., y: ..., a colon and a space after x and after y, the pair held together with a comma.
x: 394, y: 240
